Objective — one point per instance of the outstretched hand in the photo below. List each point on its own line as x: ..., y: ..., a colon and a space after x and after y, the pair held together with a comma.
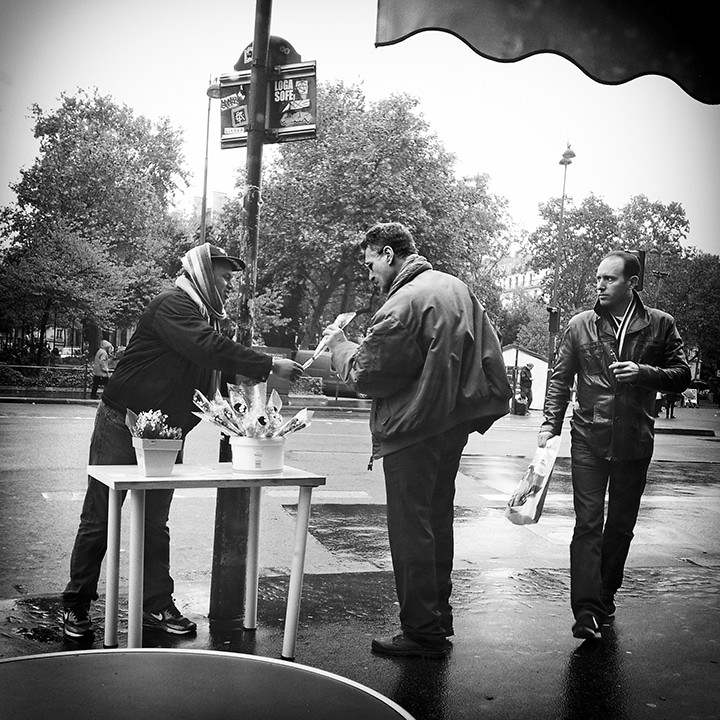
x: 287, y: 369
x: 333, y: 334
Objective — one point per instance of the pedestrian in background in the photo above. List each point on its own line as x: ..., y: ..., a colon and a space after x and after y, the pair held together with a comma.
x: 433, y: 366
x: 621, y: 353
x: 101, y: 367
x: 669, y: 400
x: 176, y: 348
x: 526, y: 381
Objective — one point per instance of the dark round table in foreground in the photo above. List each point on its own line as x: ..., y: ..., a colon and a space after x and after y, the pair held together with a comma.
x: 197, y: 684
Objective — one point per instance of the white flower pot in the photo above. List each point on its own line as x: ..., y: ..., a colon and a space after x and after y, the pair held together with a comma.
x: 156, y: 457
x: 258, y: 455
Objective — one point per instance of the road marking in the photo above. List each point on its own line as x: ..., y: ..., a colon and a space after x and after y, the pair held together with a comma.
x: 64, y: 495
x: 323, y: 494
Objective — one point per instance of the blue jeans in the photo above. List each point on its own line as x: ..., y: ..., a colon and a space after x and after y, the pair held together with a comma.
x: 598, y: 552
x: 420, y: 487
x: 111, y: 444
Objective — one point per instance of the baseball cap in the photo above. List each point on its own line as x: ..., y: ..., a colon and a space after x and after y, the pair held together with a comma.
x: 217, y: 253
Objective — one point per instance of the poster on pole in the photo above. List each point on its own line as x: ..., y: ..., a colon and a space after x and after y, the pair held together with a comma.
x: 291, y: 112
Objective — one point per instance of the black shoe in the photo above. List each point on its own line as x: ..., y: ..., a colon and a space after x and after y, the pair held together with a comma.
x: 586, y: 627
x: 169, y: 620
x: 401, y: 646
x: 609, y: 603
x: 76, y: 622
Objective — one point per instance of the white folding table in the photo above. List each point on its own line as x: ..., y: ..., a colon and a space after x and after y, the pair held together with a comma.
x: 218, y: 475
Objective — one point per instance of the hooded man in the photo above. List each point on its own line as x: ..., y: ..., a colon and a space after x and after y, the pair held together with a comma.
x: 176, y: 348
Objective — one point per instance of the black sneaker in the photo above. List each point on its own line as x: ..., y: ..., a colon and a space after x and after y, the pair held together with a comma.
x: 402, y: 646
x: 586, y: 627
x: 76, y: 622
x: 169, y: 620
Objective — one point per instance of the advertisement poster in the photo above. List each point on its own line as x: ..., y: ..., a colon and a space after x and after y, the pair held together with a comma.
x: 291, y: 112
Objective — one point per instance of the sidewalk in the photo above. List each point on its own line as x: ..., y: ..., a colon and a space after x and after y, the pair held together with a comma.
x: 513, y: 655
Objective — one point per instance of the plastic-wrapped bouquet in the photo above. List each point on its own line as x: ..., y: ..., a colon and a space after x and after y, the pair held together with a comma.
x: 151, y: 425
x: 247, y: 412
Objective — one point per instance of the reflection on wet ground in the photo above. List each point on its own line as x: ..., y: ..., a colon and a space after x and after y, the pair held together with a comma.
x: 595, y: 686
x: 352, y: 531
x: 662, y: 475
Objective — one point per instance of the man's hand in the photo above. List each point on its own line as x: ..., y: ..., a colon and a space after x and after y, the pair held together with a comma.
x: 625, y: 372
x: 333, y: 335
x: 543, y: 437
x: 287, y: 369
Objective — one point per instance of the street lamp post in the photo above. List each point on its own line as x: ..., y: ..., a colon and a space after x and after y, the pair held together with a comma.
x: 553, y: 309
x: 213, y: 93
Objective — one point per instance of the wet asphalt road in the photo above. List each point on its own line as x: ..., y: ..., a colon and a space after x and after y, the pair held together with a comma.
x: 513, y: 652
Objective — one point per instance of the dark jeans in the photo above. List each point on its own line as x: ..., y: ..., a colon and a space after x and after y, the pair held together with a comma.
x: 111, y: 445
x: 526, y: 392
x: 597, y: 553
x: 98, y: 381
x: 420, y: 486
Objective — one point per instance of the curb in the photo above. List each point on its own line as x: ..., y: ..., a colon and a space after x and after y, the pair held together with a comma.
x: 333, y: 406
x: 684, y: 431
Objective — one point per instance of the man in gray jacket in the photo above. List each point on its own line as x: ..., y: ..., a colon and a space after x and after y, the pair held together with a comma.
x: 433, y: 366
x: 621, y: 353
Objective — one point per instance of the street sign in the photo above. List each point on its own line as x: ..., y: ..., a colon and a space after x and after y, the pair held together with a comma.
x: 291, y: 112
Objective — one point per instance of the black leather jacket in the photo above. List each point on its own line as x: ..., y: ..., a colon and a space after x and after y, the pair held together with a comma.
x: 617, y: 421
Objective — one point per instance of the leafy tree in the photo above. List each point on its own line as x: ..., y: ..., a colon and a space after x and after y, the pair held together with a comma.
x: 657, y: 229
x: 590, y: 231
x: 691, y: 293
x: 525, y: 322
x: 57, y: 276
x: 533, y: 334
x: 102, y: 182
x: 370, y: 163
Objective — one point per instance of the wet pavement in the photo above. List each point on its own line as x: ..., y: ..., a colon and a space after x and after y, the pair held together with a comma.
x: 513, y: 654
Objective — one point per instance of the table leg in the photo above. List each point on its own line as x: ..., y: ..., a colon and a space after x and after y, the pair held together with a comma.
x: 137, y: 552
x: 112, y: 562
x: 252, y: 560
x: 292, y: 612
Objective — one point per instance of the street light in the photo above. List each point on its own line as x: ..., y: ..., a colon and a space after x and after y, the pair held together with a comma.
x: 553, y: 309
x: 213, y: 93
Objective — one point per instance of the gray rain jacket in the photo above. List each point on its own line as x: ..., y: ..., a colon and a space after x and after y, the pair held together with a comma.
x: 431, y: 360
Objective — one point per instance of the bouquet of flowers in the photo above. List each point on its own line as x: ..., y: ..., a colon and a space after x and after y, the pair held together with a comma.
x: 248, y: 413
x: 151, y: 425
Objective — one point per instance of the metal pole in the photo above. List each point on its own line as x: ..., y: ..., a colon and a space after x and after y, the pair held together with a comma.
x: 558, y: 253
x: 203, y: 211
x: 566, y: 159
x: 232, y: 510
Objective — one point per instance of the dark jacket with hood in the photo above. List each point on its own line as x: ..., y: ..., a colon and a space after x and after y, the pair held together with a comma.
x: 616, y: 420
x: 173, y: 351
x: 431, y: 360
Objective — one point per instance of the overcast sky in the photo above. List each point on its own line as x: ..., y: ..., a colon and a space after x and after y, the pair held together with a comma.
x: 509, y: 120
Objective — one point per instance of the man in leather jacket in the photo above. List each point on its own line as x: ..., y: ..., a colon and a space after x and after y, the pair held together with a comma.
x: 621, y: 354
x: 432, y: 364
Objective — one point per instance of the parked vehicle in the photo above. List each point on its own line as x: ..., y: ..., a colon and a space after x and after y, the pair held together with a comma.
x: 332, y: 385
